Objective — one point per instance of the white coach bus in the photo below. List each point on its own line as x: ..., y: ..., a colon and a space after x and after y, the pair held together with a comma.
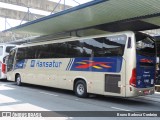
x: 120, y: 64
x: 4, y: 51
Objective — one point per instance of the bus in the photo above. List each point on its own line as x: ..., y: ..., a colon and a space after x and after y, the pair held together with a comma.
x: 4, y: 51
x: 120, y: 64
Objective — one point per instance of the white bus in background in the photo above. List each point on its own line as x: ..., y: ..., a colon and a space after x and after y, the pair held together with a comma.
x: 120, y: 64
x: 4, y: 51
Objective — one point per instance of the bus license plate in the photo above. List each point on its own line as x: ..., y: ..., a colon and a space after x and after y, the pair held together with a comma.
x: 146, y: 92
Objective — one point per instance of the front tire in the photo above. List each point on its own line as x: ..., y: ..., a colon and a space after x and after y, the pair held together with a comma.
x: 81, y: 89
x: 18, y: 80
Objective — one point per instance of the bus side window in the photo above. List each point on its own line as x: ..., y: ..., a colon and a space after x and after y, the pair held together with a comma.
x: 21, y: 54
x: 87, y: 50
x: 129, y: 45
x: 74, y: 49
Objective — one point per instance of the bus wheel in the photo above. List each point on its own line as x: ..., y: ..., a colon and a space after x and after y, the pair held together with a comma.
x: 18, y: 80
x: 81, y: 89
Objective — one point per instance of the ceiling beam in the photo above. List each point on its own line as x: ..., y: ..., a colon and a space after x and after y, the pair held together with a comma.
x: 18, y: 15
x: 38, y: 4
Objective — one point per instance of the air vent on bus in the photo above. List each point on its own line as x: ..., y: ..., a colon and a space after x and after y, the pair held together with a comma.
x: 111, y: 83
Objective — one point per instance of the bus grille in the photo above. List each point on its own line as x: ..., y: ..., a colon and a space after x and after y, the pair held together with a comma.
x: 111, y: 83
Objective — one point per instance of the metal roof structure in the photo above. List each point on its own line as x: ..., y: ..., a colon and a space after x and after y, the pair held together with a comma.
x: 14, y: 12
x: 98, y: 15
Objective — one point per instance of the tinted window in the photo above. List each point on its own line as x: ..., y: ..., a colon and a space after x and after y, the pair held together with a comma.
x: 94, y: 47
x: 115, y: 45
x: 62, y: 50
x: 41, y: 51
x: 145, y: 45
x: 30, y: 52
x: 55, y: 50
x: 87, y: 49
x: 105, y: 46
x: 74, y: 49
x: 21, y: 54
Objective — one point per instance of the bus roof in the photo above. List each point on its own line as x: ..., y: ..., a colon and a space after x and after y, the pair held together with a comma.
x: 100, y: 15
x: 40, y: 40
x: 6, y: 44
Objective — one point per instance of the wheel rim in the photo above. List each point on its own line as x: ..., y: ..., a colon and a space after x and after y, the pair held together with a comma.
x: 80, y: 89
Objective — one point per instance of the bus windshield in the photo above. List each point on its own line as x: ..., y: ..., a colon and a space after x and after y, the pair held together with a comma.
x: 145, y: 45
x: 8, y: 48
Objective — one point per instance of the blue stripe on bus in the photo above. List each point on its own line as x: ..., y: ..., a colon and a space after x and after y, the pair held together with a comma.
x: 97, y: 64
x: 69, y: 64
x: 21, y: 64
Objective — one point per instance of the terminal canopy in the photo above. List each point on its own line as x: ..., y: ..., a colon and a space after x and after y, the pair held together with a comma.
x: 98, y: 15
